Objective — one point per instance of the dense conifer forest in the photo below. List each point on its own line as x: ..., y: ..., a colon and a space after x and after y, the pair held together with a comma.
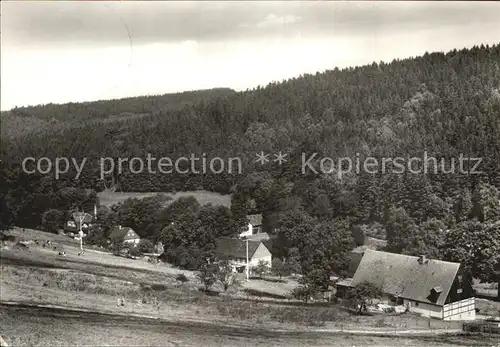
x: 443, y: 104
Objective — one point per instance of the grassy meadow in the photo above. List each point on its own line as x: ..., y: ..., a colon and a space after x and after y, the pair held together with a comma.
x: 108, y: 198
x: 162, y: 310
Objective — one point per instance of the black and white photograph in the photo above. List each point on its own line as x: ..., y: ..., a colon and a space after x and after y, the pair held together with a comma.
x: 250, y: 173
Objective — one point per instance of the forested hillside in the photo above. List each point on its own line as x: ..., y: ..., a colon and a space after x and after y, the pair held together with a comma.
x: 443, y: 104
x: 21, y: 121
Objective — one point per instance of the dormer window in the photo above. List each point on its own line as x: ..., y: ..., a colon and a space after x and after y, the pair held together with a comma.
x: 437, y: 289
x: 435, y: 292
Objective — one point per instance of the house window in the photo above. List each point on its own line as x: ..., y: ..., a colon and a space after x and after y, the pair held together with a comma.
x: 459, y: 291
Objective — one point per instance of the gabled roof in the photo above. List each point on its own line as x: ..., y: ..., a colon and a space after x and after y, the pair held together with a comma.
x: 255, y: 219
x: 354, y: 260
x: 355, y: 256
x: 374, y: 243
x: 259, y: 237
x: 236, y: 248
x: 404, y: 276
x: 124, y: 232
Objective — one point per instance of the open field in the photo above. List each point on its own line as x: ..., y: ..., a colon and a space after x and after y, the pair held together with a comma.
x: 60, y: 241
x: 23, y: 326
x: 108, y: 198
x: 110, y: 287
x: 487, y: 290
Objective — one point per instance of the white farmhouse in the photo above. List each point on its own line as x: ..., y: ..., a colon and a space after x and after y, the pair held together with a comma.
x: 128, y: 235
x: 235, y: 250
x: 253, y: 227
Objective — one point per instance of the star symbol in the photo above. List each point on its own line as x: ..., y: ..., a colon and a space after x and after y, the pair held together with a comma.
x: 280, y: 158
x: 262, y: 158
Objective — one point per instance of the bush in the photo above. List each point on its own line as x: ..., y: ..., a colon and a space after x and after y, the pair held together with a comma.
x: 304, y: 293
x: 360, y: 295
x: 146, y: 246
x: 278, y: 268
x: 134, y: 251
x: 184, y: 258
x: 182, y: 278
x: 206, y: 275
x: 96, y: 237
x: 52, y: 220
x: 389, y: 310
x: 311, y: 316
x: 5, y: 237
x: 381, y: 323
x: 261, y: 268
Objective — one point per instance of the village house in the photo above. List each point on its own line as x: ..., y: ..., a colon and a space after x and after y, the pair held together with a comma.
x: 253, y: 227
x: 258, y: 237
x: 128, y: 235
x: 74, y: 227
x: 433, y: 288
x: 235, y: 250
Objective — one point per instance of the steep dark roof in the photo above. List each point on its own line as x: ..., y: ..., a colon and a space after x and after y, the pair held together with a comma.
x: 255, y: 219
x: 405, y: 277
x: 235, y: 248
x: 116, y: 232
x: 354, y: 260
x: 355, y: 256
x: 75, y: 226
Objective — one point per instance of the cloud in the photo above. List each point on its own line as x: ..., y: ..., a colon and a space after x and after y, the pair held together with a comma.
x: 96, y: 23
x: 273, y: 19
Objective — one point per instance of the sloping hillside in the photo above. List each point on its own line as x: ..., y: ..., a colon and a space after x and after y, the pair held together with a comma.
x: 22, y: 121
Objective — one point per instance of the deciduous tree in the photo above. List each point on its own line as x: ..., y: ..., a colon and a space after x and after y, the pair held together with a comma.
x: 207, y: 276
x: 360, y: 295
x: 477, y: 247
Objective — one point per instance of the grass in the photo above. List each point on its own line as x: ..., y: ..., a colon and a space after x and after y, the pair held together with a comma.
x: 272, y: 287
x: 59, y: 240
x: 39, y: 276
x: 108, y: 198
x: 488, y: 308
x: 21, y: 327
x: 300, y: 315
x: 105, y: 283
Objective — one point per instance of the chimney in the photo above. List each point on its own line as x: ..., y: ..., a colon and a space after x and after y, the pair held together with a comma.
x: 422, y: 259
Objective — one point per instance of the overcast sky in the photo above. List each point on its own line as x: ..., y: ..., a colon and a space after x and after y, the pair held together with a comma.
x: 81, y: 51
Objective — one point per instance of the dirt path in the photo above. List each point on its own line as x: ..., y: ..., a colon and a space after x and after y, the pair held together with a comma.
x: 22, y: 325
